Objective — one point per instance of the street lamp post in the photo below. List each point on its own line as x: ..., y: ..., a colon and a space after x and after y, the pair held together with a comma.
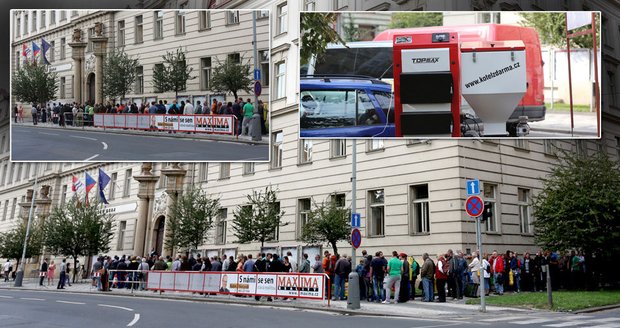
x: 353, y: 301
x: 19, y: 276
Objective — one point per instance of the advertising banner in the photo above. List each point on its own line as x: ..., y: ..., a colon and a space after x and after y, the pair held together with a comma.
x: 218, y: 124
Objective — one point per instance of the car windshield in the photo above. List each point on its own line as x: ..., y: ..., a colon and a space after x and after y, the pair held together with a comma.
x: 327, y: 108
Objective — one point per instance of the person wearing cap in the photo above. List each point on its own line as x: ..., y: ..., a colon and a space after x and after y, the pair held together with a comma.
x: 404, y: 279
x: 394, y: 269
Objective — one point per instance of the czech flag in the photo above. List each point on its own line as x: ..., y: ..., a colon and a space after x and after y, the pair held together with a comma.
x: 36, y: 52
x: 90, y: 183
x: 104, y: 179
x: 45, y: 46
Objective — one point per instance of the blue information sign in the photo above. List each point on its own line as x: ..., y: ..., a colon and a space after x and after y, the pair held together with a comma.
x: 355, y: 220
x: 257, y: 74
x: 473, y: 187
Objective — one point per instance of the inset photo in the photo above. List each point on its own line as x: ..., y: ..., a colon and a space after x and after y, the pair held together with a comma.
x: 140, y: 85
x: 450, y: 75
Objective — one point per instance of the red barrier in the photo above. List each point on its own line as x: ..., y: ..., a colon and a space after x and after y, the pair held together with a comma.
x: 214, y: 124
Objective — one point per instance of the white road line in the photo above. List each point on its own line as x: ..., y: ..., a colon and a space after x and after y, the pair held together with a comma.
x: 503, y: 319
x: 69, y: 302
x: 31, y: 299
x: 116, y: 307
x: 3, y: 296
x: 87, y: 138
x: 105, y: 145
x: 91, y: 158
x: 136, y: 317
x: 567, y: 324
x: 609, y: 325
x: 532, y: 321
x: 49, y: 134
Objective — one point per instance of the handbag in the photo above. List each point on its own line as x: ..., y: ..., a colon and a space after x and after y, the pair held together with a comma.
x: 511, y: 278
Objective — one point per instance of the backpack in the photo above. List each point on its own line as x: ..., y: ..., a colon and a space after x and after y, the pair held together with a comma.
x: 415, y: 267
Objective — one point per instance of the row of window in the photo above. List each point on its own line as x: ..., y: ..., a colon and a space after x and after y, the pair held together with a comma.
x: 42, y: 21
x: 16, y: 172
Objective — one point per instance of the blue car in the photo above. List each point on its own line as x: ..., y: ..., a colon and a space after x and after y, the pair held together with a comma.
x: 345, y: 107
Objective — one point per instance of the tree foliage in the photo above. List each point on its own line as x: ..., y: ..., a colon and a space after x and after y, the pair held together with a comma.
x: 579, y: 206
x: 415, y: 19
x: 76, y: 230
x: 317, y: 31
x: 192, y: 214
x: 34, y: 84
x: 551, y: 28
x: 173, y: 74
x: 327, y: 222
x: 230, y: 76
x: 119, y: 74
x: 258, y: 221
x: 12, y: 241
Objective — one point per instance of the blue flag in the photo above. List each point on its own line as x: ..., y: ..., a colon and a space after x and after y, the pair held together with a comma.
x: 45, y: 47
x: 104, y: 179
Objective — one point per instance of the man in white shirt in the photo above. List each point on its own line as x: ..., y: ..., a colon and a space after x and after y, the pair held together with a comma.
x: 7, y: 270
x: 188, y: 109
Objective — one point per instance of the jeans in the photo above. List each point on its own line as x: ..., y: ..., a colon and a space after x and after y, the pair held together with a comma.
x: 499, y: 288
x: 487, y: 285
x: 61, y: 281
x: 427, y: 285
x: 246, y: 125
x: 339, y: 287
x: 517, y: 278
x: 392, y: 281
x: 377, y: 287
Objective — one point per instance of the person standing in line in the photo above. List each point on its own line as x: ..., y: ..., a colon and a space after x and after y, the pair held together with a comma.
x: 474, y: 268
x: 305, y: 264
x: 7, y: 270
x: 63, y: 274
x: 33, y: 111
x: 20, y: 111
x: 15, y: 113
x: 485, y: 267
x: 43, y: 271
x: 51, y: 270
x: 404, y: 279
x: 317, y: 267
x: 76, y: 270
x: 427, y: 273
x: 394, y: 270
x: 248, y: 112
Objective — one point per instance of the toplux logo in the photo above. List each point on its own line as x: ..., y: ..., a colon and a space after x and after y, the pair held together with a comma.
x: 425, y: 60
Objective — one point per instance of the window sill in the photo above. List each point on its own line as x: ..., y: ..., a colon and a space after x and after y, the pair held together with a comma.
x: 204, y: 29
x: 493, y: 233
x: 420, y: 234
x: 376, y: 236
x: 248, y: 174
x: 304, y: 163
x: 223, y: 178
x: 525, y: 150
x: 337, y: 157
x: 179, y: 34
x: 138, y: 42
x: 277, y: 168
x: 378, y: 150
x: 528, y: 234
x: 158, y: 39
x: 232, y: 24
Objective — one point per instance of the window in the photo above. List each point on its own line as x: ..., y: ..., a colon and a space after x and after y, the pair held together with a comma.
x: 303, y: 210
x: 203, y: 172
x: 17, y: 60
x: 419, y: 214
x: 549, y: 147
x: 27, y: 171
x: 120, y: 242
x: 224, y: 170
x: 53, y: 17
x: 375, y: 144
x: 264, y: 67
x: 276, y: 233
x: 25, y: 24
x: 42, y: 25
x: 18, y: 28
x: 63, y: 45
x: 113, y: 180
x: 204, y: 20
x: 613, y: 91
x: 309, y: 5
x: 205, y: 73
x: 74, y: 13
x: 18, y: 176
x: 11, y: 171
x: 305, y: 151
x: 377, y: 213
x: 91, y: 33
x: 139, y: 33
x: 2, y: 144
x: 280, y: 80
x: 34, y: 21
x: 581, y: 147
x: 490, y: 196
x: 121, y: 33
x: 63, y: 15
x: 52, y: 51
x: 4, y: 169
x: 339, y: 199
x: 6, y: 209
x: 282, y: 24
x: 234, y: 58
x: 232, y: 17
x: 277, y: 149
x: 139, y: 88
x: 220, y: 227
x: 48, y: 166
x: 180, y: 22
x: 248, y: 168
x: 524, y: 210
x: 521, y: 144
x: 338, y: 148
x: 63, y: 83
x: 63, y: 195
x: 263, y: 14
x: 159, y: 25
x: 338, y: 4
x: 13, y: 209
x: 127, y: 186
x: 617, y: 147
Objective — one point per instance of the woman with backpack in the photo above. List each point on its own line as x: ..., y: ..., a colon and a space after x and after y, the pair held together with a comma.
x: 415, y: 271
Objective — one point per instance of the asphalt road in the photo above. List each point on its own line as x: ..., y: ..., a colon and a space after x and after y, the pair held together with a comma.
x: 54, y: 144
x: 21, y: 308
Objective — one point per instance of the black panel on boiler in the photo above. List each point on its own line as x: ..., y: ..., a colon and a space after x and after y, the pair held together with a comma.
x: 426, y: 88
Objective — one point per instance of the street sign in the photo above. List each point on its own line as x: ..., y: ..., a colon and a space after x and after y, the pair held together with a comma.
x: 257, y: 74
x: 355, y: 220
x: 356, y: 238
x: 473, y: 187
x: 474, y: 206
x: 257, y: 88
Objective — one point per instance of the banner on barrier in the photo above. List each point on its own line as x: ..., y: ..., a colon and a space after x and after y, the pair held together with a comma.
x: 223, y: 124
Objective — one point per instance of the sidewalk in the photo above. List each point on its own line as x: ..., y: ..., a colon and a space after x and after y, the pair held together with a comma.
x: 559, y: 121
x: 196, y: 136
x: 415, y: 309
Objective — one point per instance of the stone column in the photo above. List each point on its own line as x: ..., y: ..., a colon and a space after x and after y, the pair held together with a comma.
x: 146, y: 193
x: 77, y: 54
x: 100, y: 44
x: 174, y: 187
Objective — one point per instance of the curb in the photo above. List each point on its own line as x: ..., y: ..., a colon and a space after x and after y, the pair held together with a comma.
x: 182, y: 135
x: 598, y: 309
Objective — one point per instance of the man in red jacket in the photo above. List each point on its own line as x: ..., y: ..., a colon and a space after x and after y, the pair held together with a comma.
x: 498, y: 273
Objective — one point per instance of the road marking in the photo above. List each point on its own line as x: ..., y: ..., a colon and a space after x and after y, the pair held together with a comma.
x: 502, y: 319
x: 116, y: 307
x: 87, y: 138
x: 2, y: 296
x: 136, y: 317
x: 49, y: 134
x: 69, y: 302
x: 105, y: 145
x: 91, y: 158
x: 31, y: 299
x: 532, y: 321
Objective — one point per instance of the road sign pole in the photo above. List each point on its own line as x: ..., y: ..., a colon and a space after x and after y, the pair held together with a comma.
x: 353, y: 301
x: 483, y: 306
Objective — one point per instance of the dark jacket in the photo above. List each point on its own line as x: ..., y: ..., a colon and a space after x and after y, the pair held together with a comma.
x: 343, y: 268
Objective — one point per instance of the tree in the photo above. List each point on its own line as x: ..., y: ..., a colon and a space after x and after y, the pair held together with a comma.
x: 119, y: 74
x: 316, y: 33
x: 193, y: 214
x: 351, y: 32
x: 34, y: 84
x: 231, y: 76
x: 259, y: 219
x: 327, y: 223
x: 407, y: 20
x: 579, y: 206
x: 551, y: 28
x: 12, y: 241
x: 76, y: 230
x: 173, y: 74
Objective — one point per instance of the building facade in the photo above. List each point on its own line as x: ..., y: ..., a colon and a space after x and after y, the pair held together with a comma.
x: 207, y: 37
x: 410, y: 194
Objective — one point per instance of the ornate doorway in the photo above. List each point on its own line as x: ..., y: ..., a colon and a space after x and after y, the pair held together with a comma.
x: 160, y: 224
x: 91, y: 88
